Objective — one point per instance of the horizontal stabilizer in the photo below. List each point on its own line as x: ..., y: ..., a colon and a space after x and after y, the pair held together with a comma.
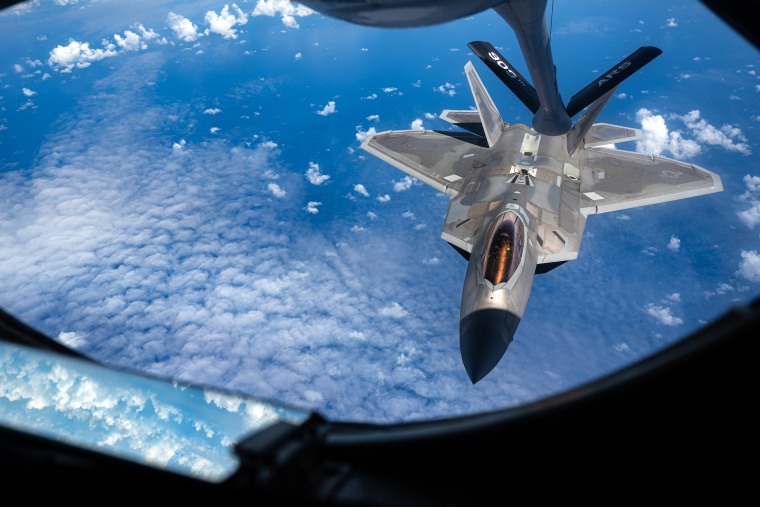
x: 612, y: 78
x: 507, y: 73
x: 602, y: 134
x: 490, y: 117
x: 468, y: 119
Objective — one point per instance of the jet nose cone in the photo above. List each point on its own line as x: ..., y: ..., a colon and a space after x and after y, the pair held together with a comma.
x: 484, y: 336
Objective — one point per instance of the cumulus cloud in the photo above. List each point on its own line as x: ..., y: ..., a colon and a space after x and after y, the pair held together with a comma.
x: 214, y: 130
x: 361, y: 135
x: 371, y: 96
x: 298, y: 56
x: 431, y: 116
x: 224, y: 22
x: 312, y: 207
x: 727, y: 136
x: 182, y: 27
x: 179, y: 146
x: 671, y: 23
x: 390, y: 89
x: 314, y: 175
x: 373, y: 117
x: 77, y: 54
x: 328, y: 109
x: 394, y: 311
x: 276, y: 190
x: 674, y: 244
x: 751, y: 216
x: 130, y: 41
x: 80, y: 55
x: 417, y: 124
x: 404, y: 184
x: 284, y: 8
x: 749, y: 267
x: 361, y: 190
x: 28, y: 92
x: 212, y: 111
x: 663, y: 315
x: 384, y: 198
x: 656, y: 138
x: 446, y: 89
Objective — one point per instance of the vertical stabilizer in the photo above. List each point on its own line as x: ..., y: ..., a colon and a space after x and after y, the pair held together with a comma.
x: 584, y: 123
x: 489, y: 115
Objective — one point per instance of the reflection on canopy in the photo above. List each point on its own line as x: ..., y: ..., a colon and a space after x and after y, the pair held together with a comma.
x: 503, y: 252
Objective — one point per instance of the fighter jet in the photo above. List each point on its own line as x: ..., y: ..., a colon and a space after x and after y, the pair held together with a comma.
x: 520, y: 195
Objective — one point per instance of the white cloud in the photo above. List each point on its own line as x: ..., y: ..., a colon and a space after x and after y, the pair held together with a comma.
x: 728, y: 137
x: 390, y: 89
x: 371, y: 96
x: 224, y: 22
x: 179, y: 146
x: 674, y: 243
x: 328, y: 109
x: 432, y: 261
x: 431, y: 116
x: 621, y: 95
x: 77, y: 54
x: 446, y: 89
x: 214, y: 130
x: 663, y: 315
x: 314, y: 176
x: 361, y: 135
x: 404, y: 184
x: 384, y: 198
x: 408, y: 215
x: 751, y: 215
x: 276, y: 190
x: 373, y: 117
x: 287, y: 10
x: 73, y: 340
x: 417, y: 125
x: 312, y: 207
x: 182, y: 27
x: 656, y: 138
x: 361, y: 190
x: 298, y: 56
x: 394, y: 311
x: 212, y: 111
x: 671, y: 23
x: 749, y: 267
x: 674, y: 297
x: 130, y: 42
x: 28, y: 92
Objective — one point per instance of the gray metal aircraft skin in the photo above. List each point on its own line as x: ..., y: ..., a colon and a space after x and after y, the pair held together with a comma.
x: 519, y: 195
x: 522, y: 201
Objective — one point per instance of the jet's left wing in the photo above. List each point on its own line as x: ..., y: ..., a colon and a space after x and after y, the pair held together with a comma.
x: 612, y: 180
x: 442, y: 160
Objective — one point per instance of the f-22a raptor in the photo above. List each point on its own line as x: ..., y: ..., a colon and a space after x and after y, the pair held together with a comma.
x: 520, y: 196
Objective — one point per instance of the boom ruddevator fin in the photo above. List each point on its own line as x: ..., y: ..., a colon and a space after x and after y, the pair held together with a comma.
x: 507, y: 73
x: 611, y: 79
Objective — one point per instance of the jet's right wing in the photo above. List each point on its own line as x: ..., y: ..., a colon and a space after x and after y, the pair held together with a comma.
x: 442, y: 160
x: 612, y: 180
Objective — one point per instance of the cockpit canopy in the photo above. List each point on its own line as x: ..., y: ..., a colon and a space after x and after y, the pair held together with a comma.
x: 504, y: 249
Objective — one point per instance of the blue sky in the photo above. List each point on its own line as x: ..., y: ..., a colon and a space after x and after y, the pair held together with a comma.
x: 182, y: 193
